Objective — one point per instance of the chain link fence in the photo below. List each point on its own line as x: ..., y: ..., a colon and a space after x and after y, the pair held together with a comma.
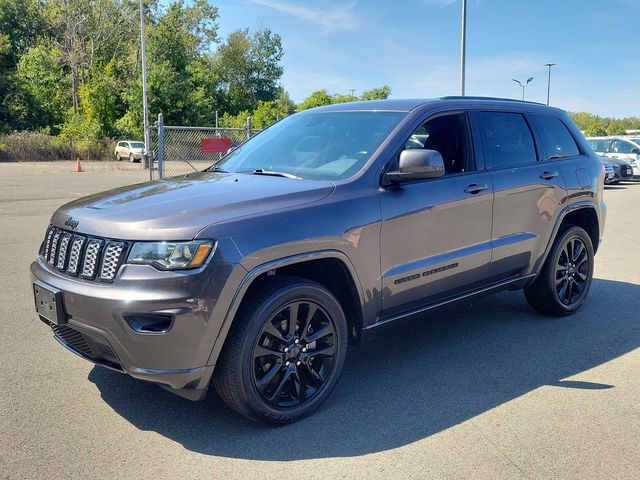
x: 178, y: 150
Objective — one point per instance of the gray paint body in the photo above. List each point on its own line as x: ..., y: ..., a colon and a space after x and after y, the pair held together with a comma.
x: 450, y: 242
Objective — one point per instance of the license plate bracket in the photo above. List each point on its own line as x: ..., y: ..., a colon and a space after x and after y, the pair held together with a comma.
x: 49, y: 303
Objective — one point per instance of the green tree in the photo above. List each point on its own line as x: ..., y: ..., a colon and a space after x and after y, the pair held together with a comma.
x: 381, y: 93
x: 20, y: 24
x: 249, y: 68
x: 270, y: 112
x: 316, y: 99
x: 41, y: 72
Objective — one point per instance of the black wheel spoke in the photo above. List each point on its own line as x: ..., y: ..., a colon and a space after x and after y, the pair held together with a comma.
x: 315, y: 377
x: 271, y: 330
x: 264, y: 381
x: 562, y: 292
x: 322, y: 332
x: 298, y: 387
x: 293, y: 318
x: 294, y: 354
x: 262, y: 351
x: 326, y: 351
x: 307, y: 320
x: 275, y: 396
x: 578, y: 247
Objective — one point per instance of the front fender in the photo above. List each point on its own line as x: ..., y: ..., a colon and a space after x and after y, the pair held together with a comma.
x: 255, y: 272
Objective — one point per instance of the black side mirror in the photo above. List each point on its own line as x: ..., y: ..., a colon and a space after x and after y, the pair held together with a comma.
x: 636, y: 151
x: 417, y: 164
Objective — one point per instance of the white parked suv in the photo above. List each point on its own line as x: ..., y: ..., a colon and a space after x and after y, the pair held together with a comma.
x: 622, y: 148
x: 129, y: 149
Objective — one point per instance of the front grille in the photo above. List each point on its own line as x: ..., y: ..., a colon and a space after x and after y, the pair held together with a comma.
x: 91, y: 258
x: 110, y: 260
x: 77, y: 254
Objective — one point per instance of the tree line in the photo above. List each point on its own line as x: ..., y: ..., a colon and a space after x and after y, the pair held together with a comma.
x: 72, y: 69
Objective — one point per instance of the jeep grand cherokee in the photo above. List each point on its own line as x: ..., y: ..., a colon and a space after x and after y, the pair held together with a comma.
x: 256, y: 274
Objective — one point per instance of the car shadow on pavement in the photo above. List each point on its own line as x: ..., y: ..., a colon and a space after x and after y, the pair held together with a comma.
x: 409, y: 382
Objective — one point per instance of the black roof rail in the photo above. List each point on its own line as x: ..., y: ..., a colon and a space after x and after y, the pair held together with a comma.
x: 458, y: 97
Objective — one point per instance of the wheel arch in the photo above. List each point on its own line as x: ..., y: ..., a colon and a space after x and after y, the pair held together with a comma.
x: 582, y: 214
x: 327, y: 267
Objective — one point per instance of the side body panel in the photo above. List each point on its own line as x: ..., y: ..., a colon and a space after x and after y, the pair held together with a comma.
x: 435, y: 240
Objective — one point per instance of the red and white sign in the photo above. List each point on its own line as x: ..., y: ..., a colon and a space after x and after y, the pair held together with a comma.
x: 215, y: 145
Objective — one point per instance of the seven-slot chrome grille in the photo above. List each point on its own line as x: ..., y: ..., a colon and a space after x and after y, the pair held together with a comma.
x: 88, y: 257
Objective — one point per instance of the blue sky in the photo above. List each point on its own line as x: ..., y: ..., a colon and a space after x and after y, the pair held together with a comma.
x: 413, y: 46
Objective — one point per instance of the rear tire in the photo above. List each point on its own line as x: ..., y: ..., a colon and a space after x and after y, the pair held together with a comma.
x: 131, y: 159
x: 284, y: 353
x: 118, y: 158
x: 564, y: 282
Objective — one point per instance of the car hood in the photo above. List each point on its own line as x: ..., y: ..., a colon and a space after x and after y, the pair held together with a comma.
x: 178, y: 208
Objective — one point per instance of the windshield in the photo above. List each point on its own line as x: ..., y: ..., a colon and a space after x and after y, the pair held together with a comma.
x: 137, y: 145
x: 320, y: 146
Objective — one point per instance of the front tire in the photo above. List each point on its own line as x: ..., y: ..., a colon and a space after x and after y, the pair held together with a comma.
x: 564, y: 282
x: 118, y: 158
x: 284, y: 353
x: 131, y: 159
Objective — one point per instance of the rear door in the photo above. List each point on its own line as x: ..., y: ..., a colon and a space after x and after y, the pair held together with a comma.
x: 528, y: 192
x: 435, y: 233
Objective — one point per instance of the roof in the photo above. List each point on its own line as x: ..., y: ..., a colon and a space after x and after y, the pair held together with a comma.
x: 408, y: 104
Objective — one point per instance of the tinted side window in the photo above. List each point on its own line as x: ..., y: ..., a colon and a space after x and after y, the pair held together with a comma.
x: 620, y: 146
x: 507, y: 138
x: 556, y: 138
x: 600, y: 146
x: 449, y: 136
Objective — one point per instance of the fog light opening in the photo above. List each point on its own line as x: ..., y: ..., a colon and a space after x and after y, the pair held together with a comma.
x: 149, y: 322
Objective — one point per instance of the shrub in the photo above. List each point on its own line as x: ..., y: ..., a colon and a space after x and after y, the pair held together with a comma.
x: 40, y: 147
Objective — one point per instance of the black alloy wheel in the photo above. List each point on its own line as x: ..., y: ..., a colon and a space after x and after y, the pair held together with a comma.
x: 294, y: 354
x: 572, y: 271
x: 562, y: 285
x: 285, y: 351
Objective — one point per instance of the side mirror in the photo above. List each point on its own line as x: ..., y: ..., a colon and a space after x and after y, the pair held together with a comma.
x: 636, y: 151
x: 417, y: 164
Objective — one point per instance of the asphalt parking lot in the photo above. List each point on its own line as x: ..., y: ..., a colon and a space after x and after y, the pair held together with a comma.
x: 502, y: 393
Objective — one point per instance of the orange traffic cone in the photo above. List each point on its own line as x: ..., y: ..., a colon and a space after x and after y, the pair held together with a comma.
x: 78, y: 166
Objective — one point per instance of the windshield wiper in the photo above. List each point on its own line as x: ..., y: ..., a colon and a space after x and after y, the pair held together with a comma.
x: 262, y: 171
x: 215, y: 168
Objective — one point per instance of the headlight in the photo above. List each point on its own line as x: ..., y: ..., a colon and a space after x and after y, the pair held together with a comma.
x: 171, y: 255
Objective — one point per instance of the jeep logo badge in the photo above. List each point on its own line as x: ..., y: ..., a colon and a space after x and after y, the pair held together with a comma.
x: 71, y: 223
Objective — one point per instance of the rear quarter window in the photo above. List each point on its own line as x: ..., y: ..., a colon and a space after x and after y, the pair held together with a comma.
x: 556, y: 138
x: 507, y: 139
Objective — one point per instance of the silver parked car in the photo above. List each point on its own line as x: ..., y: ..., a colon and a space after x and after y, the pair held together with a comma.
x: 620, y: 148
x: 129, y: 149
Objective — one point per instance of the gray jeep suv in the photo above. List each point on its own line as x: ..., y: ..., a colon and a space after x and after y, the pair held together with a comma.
x: 256, y: 274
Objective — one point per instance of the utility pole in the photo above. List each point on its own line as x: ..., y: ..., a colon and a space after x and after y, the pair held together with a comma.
x: 549, y: 65
x: 523, y: 84
x: 145, y: 106
x: 353, y: 90
x: 463, y: 46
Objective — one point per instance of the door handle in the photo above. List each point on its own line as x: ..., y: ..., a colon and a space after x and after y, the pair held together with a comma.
x: 475, y: 188
x: 548, y: 175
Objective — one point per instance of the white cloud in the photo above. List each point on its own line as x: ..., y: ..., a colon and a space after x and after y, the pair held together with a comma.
x: 335, y: 17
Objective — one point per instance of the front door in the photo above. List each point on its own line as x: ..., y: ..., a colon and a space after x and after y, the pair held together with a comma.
x: 435, y: 234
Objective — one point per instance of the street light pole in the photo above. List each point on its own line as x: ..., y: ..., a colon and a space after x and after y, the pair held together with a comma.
x: 549, y: 65
x: 523, y: 85
x: 463, y: 47
x: 145, y: 106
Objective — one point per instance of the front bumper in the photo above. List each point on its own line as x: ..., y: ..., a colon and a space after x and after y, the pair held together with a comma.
x: 96, y: 328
